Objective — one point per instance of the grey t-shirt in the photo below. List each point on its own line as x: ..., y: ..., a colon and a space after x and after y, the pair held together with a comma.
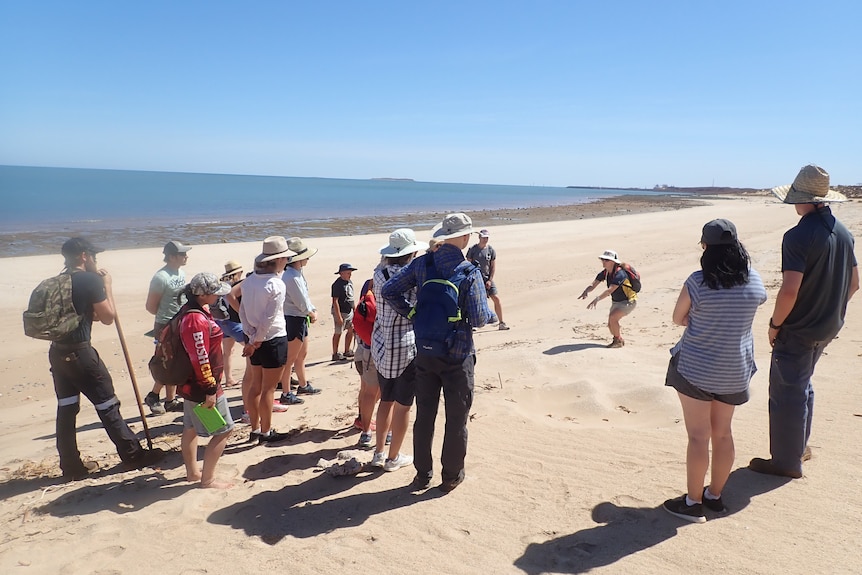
x: 820, y: 248
x: 482, y: 257
x: 168, y: 283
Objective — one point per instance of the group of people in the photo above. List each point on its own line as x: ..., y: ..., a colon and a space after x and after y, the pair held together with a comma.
x: 268, y: 312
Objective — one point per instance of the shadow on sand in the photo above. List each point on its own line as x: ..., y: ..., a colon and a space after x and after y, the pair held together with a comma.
x: 628, y: 530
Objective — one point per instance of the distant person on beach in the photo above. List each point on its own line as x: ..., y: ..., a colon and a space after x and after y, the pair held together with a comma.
x: 261, y: 312
x: 819, y: 276
x: 77, y: 368
x: 342, y: 312
x: 393, y: 349
x: 623, y: 295
x: 484, y: 256
x: 452, y: 372
x: 202, y: 340
x: 166, y: 284
x: 299, y: 314
x: 712, y: 364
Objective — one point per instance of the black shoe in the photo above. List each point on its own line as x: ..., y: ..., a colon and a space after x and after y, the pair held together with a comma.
x: 155, y: 405
x: 146, y: 458
x: 716, y: 505
x: 767, y: 467
x: 87, y: 467
x: 272, y: 437
x: 176, y: 404
x: 307, y: 390
x: 450, y: 484
x: 254, y: 437
x: 421, y: 481
x: 678, y: 508
x: 290, y: 399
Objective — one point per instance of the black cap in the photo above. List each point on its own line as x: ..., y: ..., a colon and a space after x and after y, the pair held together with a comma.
x: 718, y: 232
x: 174, y: 247
x: 77, y: 246
x: 345, y: 268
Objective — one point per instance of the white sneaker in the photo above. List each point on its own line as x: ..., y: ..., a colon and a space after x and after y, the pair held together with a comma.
x: 379, y: 459
x: 397, y: 463
x: 503, y: 326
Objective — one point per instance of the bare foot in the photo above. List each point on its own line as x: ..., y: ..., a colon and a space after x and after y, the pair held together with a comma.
x: 193, y: 478
x: 216, y: 485
x: 231, y: 383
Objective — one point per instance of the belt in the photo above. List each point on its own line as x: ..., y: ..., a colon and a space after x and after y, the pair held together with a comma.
x: 70, y: 346
x: 362, y: 343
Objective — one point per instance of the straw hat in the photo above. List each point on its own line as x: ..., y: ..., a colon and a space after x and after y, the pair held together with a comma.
x: 299, y: 249
x: 453, y: 226
x: 610, y: 255
x: 230, y: 268
x: 811, y: 186
x: 274, y: 247
x: 402, y: 242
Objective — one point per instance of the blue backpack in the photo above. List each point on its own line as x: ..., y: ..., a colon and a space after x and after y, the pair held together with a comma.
x: 439, y: 311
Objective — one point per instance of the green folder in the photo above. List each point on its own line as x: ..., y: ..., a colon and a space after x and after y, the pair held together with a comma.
x: 211, y: 418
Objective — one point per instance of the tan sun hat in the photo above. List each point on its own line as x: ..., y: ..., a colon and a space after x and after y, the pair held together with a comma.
x: 274, y: 247
x: 299, y: 249
x: 453, y: 226
x: 811, y: 186
x: 230, y: 268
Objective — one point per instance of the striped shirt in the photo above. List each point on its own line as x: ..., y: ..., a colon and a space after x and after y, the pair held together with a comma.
x: 716, y: 351
x: 393, y: 344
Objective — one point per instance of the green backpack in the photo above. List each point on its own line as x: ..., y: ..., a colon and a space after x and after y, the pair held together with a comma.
x: 51, y: 314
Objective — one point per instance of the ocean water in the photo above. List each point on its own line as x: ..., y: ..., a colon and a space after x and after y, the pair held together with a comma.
x: 40, y: 205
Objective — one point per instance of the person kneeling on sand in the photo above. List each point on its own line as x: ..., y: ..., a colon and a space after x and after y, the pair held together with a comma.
x: 623, y: 296
x: 202, y: 340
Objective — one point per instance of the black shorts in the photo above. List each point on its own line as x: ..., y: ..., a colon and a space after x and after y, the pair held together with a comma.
x: 401, y: 389
x: 676, y: 380
x: 297, y: 327
x: 271, y: 354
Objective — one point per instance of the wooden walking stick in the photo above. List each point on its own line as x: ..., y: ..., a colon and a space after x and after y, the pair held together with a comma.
x: 134, y: 380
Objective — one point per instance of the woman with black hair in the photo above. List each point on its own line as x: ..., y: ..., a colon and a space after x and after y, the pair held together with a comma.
x: 712, y: 364
x: 202, y: 341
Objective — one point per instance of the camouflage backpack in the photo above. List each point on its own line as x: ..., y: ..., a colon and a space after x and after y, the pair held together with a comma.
x: 51, y: 314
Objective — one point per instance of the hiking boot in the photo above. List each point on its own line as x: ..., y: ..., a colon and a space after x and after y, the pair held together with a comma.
x: 503, y: 326
x: 254, y: 437
x: 379, y: 459
x: 365, y: 440
x: 154, y: 403
x: 421, y: 481
x: 767, y: 467
x: 307, y: 390
x: 337, y: 357
x: 400, y: 461
x: 450, y: 484
x: 290, y: 399
x: 679, y: 508
x: 272, y: 437
x: 617, y: 342
x: 146, y: 458
x: 716, y: 505
x: 87, y: 467
x: 176, y: 404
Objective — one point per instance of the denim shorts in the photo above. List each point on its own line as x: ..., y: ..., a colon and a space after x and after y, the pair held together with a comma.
x: 626, y: 307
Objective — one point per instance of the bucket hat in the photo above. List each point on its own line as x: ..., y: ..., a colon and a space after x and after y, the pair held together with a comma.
x: 402, y: 242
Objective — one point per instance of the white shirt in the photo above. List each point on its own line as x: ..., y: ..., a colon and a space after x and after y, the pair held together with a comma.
x: 261, y: 308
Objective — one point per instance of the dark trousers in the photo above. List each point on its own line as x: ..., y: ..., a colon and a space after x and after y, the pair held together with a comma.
x: 455, y: 378
x: 77, y: 370
x: 791, y: 398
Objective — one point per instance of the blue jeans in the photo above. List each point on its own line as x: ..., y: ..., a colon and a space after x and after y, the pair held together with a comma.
x: 455, y: 379
x: 791, y: 398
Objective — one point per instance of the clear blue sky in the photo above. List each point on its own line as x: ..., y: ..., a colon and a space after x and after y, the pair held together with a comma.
x: 607, y: 93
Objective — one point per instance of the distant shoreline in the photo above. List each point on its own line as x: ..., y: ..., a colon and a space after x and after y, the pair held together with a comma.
x: 17, y: 244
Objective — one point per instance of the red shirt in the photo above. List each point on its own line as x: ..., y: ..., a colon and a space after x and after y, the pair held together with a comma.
x: 202, y: 338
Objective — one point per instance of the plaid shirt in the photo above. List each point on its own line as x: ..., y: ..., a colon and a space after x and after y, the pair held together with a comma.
x: 446, y: 258
x: 393, y: 345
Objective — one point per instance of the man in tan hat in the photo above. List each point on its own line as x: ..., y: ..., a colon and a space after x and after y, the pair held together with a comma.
x: 819, y: 276
x: 449, y: 367
x: 166, y: 285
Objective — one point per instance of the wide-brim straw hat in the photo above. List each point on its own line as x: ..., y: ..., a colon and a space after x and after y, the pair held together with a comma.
x: 230, y: 268
x: 453, y: 226
x: 274, y: 247
x: 811, y: 186
x: 402, y: 242
x: 299, y: 249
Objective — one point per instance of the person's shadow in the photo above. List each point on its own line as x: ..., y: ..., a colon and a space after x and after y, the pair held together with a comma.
x: 308, y: 509
x: 571, y: 347
x: 628, y: 530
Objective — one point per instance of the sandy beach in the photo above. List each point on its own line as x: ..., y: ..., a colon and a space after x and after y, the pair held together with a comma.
x: 572, y: 449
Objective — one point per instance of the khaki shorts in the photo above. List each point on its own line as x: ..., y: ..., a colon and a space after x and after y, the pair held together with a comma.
x: 625, y: 307
x: 365, y: 366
